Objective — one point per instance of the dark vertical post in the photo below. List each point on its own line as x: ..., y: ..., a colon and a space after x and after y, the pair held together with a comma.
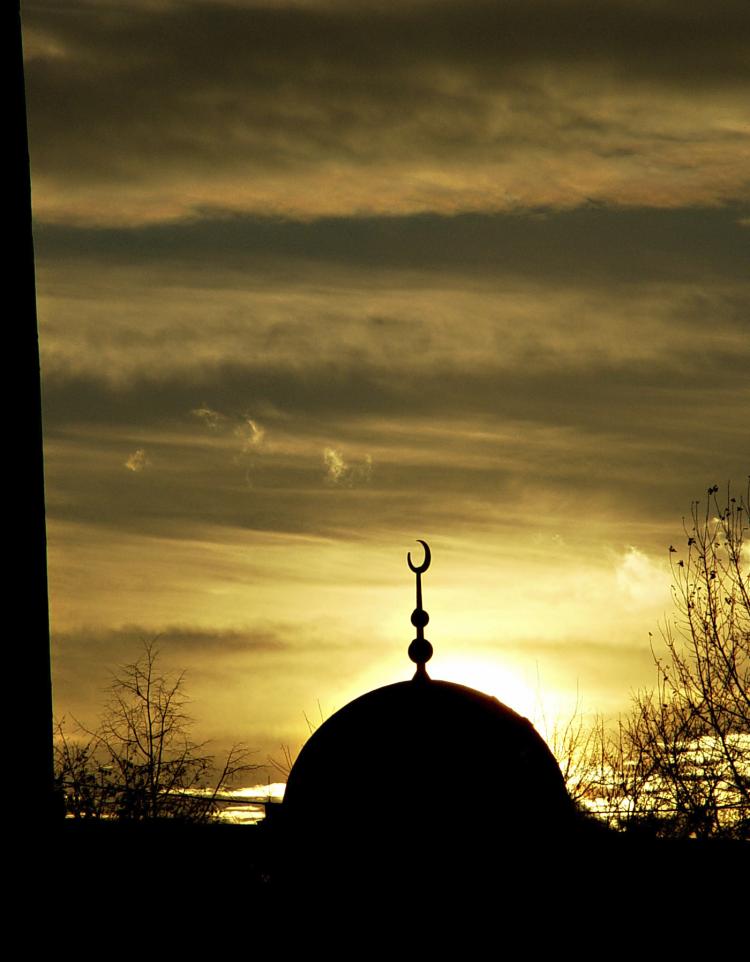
x: 27, y: 550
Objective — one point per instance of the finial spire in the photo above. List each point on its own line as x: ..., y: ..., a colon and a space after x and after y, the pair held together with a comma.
x: 420, y: 650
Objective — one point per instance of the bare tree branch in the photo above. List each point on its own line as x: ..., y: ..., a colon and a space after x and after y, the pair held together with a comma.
x: 681, y: 759
x: 141, y: 763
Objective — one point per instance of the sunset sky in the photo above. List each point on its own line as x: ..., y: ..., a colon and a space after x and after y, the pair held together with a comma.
x: 319, y: 278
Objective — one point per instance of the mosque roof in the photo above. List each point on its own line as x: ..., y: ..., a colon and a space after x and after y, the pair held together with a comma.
x: 424, y: 754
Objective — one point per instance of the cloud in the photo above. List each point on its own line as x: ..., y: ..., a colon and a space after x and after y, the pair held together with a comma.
x: 335, y: 465
x: 126, y: 641
x: 475, y: 417
x: 642, y: 580
x: 378, y: 321
x: 309, y: 110
x: 250, y: 433
x: 249, y: 252
x: 343, y: 473
x: 136, y: 461
x: 212, y: 419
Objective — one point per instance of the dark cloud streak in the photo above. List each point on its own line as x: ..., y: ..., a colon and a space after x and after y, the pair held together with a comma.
x: 215, y: 41
x: 597, y: 245
x: 318, y: 394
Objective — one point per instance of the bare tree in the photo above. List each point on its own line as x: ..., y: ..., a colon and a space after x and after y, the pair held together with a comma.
x: 84, y: 784
x: 576, y: 742
x: 141, y: 762
x: 681, y: 762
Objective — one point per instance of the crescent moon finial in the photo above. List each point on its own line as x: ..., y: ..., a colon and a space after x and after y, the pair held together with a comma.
x: 427, y: 558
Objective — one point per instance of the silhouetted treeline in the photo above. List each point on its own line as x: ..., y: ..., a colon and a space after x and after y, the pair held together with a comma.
x: 191, y: 887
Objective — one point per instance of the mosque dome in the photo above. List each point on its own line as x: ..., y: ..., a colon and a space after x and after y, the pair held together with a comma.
x: 429, y: 750
x: 425, y: 759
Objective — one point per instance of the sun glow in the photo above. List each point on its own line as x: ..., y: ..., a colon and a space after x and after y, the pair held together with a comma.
x: 492, y: 678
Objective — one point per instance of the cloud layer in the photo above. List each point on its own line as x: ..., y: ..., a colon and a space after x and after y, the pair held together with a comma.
x: 319, y: 278
x: 159, y: 111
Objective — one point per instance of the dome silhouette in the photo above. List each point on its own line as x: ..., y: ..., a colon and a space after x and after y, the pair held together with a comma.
x: 423, y: 774
x: 427, y: 753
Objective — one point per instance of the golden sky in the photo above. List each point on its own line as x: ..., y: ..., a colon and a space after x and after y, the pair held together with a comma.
x: 319, y: 278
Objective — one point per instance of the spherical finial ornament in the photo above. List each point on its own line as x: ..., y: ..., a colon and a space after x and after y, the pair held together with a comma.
x: 420, y: 651
x: 420, y: 618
